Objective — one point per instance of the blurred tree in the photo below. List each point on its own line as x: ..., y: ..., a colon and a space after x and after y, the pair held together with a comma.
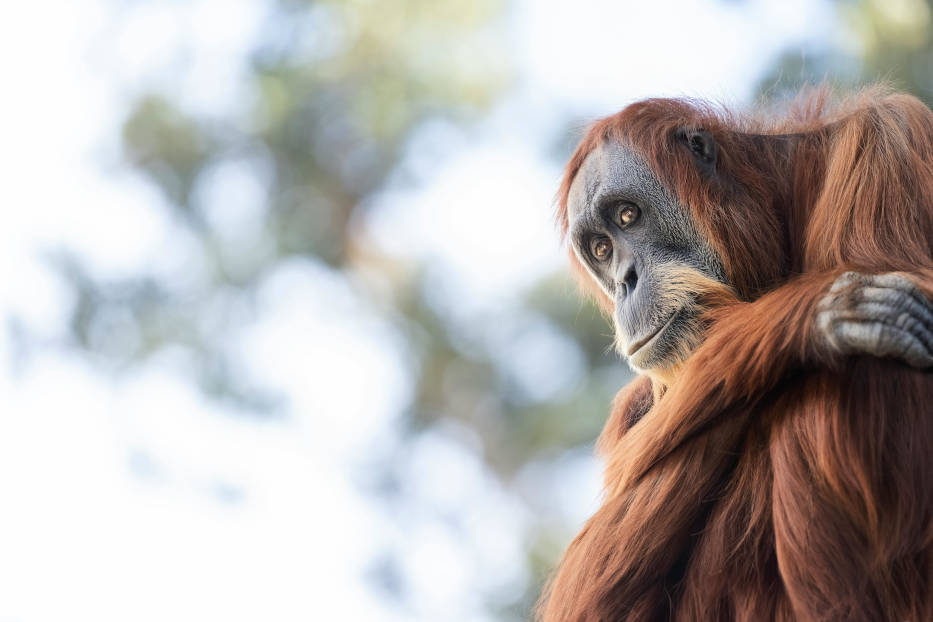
x: 875, y: 40
x: 336, y: 90
x: 326, y: 125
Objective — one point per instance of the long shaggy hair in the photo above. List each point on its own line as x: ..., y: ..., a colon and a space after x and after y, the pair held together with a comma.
x: 770, y: 481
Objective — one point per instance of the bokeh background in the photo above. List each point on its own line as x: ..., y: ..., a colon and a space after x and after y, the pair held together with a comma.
x: 287, y: 332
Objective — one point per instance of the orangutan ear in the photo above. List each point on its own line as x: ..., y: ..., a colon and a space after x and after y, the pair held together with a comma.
x: 702, y: 146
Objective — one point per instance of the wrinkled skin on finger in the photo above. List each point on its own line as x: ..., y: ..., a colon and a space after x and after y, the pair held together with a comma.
x: 882, y: 315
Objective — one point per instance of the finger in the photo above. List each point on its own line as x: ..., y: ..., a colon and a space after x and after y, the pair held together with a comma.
x: 893, y: 280
x: 847, y: 281
x: 904, y: 301
x: 896, y: 304
x: 889, y: 314
x: 890, y: 288
x: 883, y: 340
x: 852, y: 282
x: 920, y: 331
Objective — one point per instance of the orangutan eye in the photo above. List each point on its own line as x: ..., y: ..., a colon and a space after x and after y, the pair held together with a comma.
x: 601, y: 248
x: 628, y: 214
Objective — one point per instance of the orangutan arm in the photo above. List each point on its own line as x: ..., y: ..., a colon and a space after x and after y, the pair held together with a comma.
x: 813, y: 319
x: 837, y: 315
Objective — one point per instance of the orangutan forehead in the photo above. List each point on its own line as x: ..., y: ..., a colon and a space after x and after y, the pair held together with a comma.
x: 585, y: 184
x: 609, y: 168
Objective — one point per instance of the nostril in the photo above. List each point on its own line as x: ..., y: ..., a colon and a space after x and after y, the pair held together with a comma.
x: 629, y: 280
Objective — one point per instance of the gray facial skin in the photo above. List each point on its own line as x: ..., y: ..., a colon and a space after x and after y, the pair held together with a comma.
x: 648, y: 270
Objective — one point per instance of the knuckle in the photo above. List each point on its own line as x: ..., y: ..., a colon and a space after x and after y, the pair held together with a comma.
x: 896, y: 280
x: 825, y: 320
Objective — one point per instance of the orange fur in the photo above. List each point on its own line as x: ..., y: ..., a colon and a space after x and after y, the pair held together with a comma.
x: 773, y: 481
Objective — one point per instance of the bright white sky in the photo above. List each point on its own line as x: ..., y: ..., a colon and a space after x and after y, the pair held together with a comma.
x: 89, y: 530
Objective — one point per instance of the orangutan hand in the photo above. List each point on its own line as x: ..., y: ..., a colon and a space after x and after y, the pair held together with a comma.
x: 881, y: 315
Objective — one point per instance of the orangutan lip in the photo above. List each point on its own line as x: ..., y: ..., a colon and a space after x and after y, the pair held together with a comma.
x: 641, y: 343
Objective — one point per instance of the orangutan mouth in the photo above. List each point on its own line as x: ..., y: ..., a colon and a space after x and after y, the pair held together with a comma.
x: 638, y: 345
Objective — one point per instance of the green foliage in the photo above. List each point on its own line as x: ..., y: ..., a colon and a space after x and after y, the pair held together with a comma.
x: 335, y: 90
x: 889, y: 41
